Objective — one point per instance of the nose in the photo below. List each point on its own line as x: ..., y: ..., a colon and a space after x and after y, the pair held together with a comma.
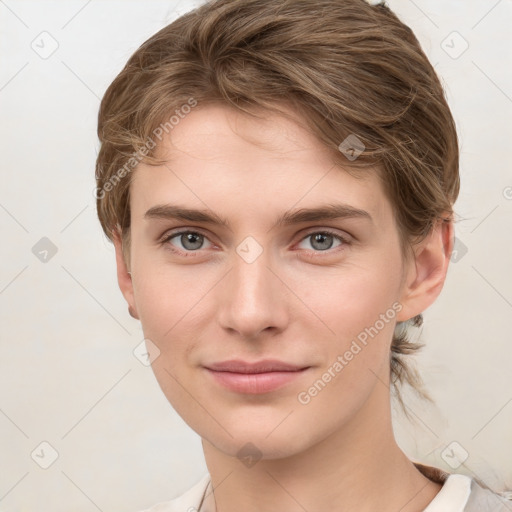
x: 253, y: 301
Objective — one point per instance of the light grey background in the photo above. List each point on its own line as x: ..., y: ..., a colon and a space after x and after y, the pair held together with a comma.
x: 67, y: 370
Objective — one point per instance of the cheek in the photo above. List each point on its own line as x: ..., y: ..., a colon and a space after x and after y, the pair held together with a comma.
x: 353, y: 366
x: 360, y: 309
x: 166, y: 300
x: 351, y: 299
x: 169, y: 309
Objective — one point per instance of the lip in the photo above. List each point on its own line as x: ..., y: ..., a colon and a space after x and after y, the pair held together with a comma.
x: 263, y: 366
x: 254, y: 378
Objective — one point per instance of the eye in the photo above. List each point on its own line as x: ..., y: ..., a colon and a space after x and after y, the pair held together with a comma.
x: 323, y: 240
x: 189, y: 241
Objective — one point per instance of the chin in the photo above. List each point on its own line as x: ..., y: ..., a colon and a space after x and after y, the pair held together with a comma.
x: 258, y: 442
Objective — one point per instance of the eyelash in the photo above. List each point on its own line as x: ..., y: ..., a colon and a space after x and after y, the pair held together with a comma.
x: 168, y: 237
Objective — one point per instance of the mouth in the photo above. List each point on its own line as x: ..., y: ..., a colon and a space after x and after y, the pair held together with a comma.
x: 254, y: 378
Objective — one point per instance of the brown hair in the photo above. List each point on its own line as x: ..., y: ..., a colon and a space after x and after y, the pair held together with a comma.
x: 349, y: 68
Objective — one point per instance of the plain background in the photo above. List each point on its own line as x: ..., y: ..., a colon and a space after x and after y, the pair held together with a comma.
x: 68, y: 373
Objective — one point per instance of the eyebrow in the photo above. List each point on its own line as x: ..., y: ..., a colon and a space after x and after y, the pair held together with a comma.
x: 291, y: 217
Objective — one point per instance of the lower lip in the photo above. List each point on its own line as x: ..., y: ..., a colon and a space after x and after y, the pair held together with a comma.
x: 255, y: 383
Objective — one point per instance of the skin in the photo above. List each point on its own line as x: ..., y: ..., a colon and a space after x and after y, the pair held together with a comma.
x: 299, y: 301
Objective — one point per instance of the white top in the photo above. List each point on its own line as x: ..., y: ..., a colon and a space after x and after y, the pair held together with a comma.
x: 460, y: 493
x: 453, y: 496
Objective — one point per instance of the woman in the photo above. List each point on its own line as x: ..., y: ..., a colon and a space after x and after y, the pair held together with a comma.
x: 278, y: 178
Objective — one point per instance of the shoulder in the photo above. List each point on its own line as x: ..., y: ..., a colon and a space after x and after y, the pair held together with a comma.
x: 461, y: 493
x: 483, y: 499
x: 187, y: 502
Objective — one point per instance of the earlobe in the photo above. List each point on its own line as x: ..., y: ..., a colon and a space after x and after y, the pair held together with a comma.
x: 427, y: 271
x: 132, y: 312
x: 124, y: 277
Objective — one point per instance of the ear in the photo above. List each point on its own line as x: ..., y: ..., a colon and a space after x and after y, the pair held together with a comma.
x: 426, y: 271
x: 124, y: 277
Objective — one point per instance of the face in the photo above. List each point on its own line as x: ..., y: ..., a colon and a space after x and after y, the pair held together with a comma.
x: 272, y: 320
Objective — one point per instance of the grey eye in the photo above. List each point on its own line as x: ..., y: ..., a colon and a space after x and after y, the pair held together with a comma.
x: 321, y: 241
x: 188, y: 240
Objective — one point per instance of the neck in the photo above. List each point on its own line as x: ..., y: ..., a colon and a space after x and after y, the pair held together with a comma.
x: 358, y: 468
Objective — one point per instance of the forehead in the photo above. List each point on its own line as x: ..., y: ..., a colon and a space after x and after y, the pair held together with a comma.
x: 213, y: 126
x: 222, y: 159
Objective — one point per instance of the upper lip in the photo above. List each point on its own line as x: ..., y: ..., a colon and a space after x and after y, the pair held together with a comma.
x: 263, y: 366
